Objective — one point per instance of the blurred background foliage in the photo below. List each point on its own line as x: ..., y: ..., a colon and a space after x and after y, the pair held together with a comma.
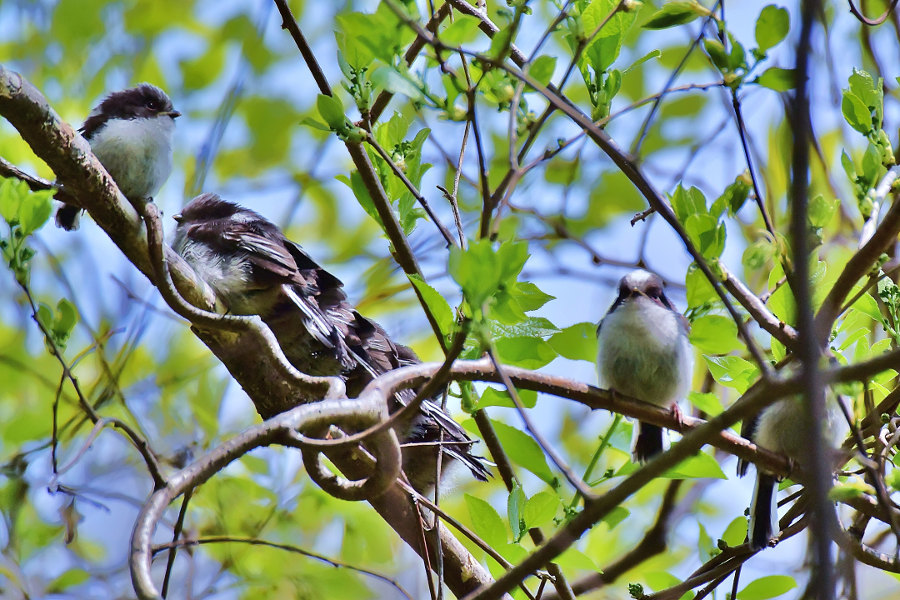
x: 254, y: 132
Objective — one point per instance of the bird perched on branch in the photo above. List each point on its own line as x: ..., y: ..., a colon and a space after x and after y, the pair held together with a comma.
x: 130, y: 133
x: 255, y: 269
x: 643, y: 352
x: 780, y: 428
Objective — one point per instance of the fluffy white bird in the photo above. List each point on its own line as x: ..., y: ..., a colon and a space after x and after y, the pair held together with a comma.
x: 644, y: 352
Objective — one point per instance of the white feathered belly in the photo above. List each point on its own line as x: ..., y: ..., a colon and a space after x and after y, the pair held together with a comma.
x: 644, y: 352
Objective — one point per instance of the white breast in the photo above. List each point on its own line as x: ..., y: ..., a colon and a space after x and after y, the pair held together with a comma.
x: 137, y: 153
x: 643, y: 351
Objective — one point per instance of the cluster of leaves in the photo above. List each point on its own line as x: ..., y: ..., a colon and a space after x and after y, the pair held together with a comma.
x: 863, y: 108
x: 25, y: 212
x: 504, y: 312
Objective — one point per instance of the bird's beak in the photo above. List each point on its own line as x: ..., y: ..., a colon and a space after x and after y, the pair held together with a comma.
x: 178, y: 218
x: 639, y: 292
x: 170, y: 113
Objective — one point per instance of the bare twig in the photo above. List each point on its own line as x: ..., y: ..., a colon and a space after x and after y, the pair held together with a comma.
x: 228, y: 539
x: 872, y: 22
x: 35, y: 184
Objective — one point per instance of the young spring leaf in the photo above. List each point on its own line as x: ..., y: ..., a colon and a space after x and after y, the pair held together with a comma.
x: 772, y: 26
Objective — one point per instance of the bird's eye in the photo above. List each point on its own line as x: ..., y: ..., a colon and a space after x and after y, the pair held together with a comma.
x: 654, y: 292
x: 152, y: 104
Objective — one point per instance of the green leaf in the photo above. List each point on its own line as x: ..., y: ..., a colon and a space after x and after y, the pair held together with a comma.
x: 767, y: 587
x: 524, y: 451
x: 501, y: 42
x: 675, y: 13
x: 397, y: 82
x: 68, y: 579
x: 699, y: 290
x: 34, y: 211
x: 200, y: 72
x: 778, y: 79
x: 361, y: 192
x: 758, y: 254
x: 67, y: 317
x: 649, y: 56
x: 540, y: 509
x: 331, y: 109
x: 604, y: 49
x: 686, y: 203
x: 871, y: 163
x: 12, y: 192
x: 576, y: 342
x: 707, y: 402
x: 542, y: 69
x: 660, y: 580
x: 514, y: 506
x: 707, y: 234
x: 772, y: 26
x: 573, y: 558
x: 732, y: 371
x: 715, y: 334
x: 856, y: 113
x: 864, y: 87
x: 849, y: 490
x: 615, y: 516
x: 736, y: 532
x: 892, y: 479
x: 530, y: 327
x: 45, y: 315
x: 481, y: 271
x: 436, y: 304
x: 716, y: 51
x: 495, y: 397
x: 529, y: 296
x: 737, y: 58
x: 525, y: 352
x: 464, y: 28
x: 310, y: 122
x: 698, y: 466
x: 486, y: 522
x: 821, y: 211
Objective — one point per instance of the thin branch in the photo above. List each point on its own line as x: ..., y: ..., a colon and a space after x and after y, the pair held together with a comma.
x: 35, y: 184
x: 809, y: 350
x: 872, y: 22
x: 573, y: 479
x: 227, y: 539
x: 860, y: 263
x: 370, y: 139
x: 173, y: 546
x: 645, y: 126
x: 409, y: 58
x: 631, y: 170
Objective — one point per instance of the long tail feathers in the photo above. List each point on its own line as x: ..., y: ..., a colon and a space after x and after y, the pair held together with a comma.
x: 457, y: 442
x: 647, y: 442
x: 763, y: 512
x: 67, y: 217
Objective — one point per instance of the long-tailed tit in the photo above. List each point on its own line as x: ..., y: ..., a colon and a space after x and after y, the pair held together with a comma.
x: 643, y: 352
x: 130, y: 133
x: 255, y: 269
x: 780, y: 428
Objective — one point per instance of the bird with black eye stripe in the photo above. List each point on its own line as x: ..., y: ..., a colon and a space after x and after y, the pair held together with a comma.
x: 644, y: 352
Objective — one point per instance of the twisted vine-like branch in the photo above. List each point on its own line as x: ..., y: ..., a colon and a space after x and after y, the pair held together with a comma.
x: 246, y: 354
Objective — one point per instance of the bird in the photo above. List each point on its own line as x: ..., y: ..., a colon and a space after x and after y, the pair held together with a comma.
x: 644, y: 352
x: 130, y: 133
x: 779, y: 428
x: 255, y: 269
